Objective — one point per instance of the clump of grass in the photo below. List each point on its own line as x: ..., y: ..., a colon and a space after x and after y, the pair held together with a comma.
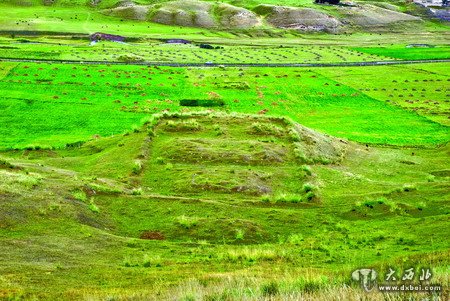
x: 185, y: 125
x: 295, y: 239
x: 393, y: 207
x: 146, y: 261
x: 265, y: 198
x: 341, y: 228
x: 282, y: 198
x: 310, y: 284
x: 94, y: 208
x: 240, y: 234
x: 406, y: 241
x: 306, y: 169
x: 307, y: 187
x: 149, y: 261
x: 251, y: 254
x: 300, y: 154
x: 270, y: 289
x: 136, y: 129
x: 422, y: 205
x: 99, y: 188
x: 79, y: 195
x: 55, y: 207
x: 310, y: 196
x: 322, y: 160
x: 292, y: 198
x: 409, y: 187
x: 404, y: 188
x: 137, y: 191
x: 264, y: 128
x: 294, y: 135
x: 5, y: 164
x: 187, y: 222
x: 218, y: 130
x: 17, y: 182
x: 137, y: 167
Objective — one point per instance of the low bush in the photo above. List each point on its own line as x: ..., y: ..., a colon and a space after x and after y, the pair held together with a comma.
x: 202, y: 102
x: 187, y: 222
x: 93, y: 207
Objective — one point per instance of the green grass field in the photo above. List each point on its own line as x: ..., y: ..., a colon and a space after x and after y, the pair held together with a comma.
x: 160, y: 52
x: 420, y: 88
x: 411, y: 53
x: 53, y: 105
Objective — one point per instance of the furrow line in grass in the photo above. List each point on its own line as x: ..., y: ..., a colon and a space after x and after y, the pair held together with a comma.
x: 271, y: 65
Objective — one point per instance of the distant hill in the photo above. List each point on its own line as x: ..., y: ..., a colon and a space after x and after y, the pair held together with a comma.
x: 302, y: 16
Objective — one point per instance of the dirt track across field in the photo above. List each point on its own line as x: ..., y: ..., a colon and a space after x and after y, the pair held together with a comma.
x: 271, y: 65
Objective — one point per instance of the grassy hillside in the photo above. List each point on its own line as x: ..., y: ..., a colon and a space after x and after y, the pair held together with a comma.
x: 98, y: 223
x: 235, y: 18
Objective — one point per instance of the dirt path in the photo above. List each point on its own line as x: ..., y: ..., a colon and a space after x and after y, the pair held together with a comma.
x: 271, y: 65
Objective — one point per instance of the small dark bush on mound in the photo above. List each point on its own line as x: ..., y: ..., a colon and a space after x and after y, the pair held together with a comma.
x: 152, y: 235
x: 270, y: 289
x: 6, y: 165
x: 206, y: 46
x: 202, y: 103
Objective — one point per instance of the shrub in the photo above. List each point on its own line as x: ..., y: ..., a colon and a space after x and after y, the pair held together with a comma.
x: 187, y: 222
x: 137, y: 167
x: 269, y: 289
x: 404, y: 188
x: 262, y: 128
x: 408, y: 188
x: 421, y: 206
x: 307, y: 187
x: 265, y: 198
x: 393, y: 207
x: 431, y: 178
x: 79, y: 195
x: 187, y: 125
x: 281, y: 198
x: 240, y: 234
x: 6, y: 164
x: 295, y: 239
x: 136, y: 191
x: 218, y: 129
x: 98, y: 188
x: 251, y: 254
x: 306, y: 169
x: 294, y: 135
x: 93, y: 207
x: 288, y: 198
x: 310, y: 196
x: 202, y: 103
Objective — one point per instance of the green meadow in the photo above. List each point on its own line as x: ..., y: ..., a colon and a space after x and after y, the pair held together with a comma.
x: 51, y: 105
x: 408, y: 53
x: 158, y: 51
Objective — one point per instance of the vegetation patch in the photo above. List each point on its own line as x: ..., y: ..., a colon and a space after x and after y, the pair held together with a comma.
x: 202, y: 103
